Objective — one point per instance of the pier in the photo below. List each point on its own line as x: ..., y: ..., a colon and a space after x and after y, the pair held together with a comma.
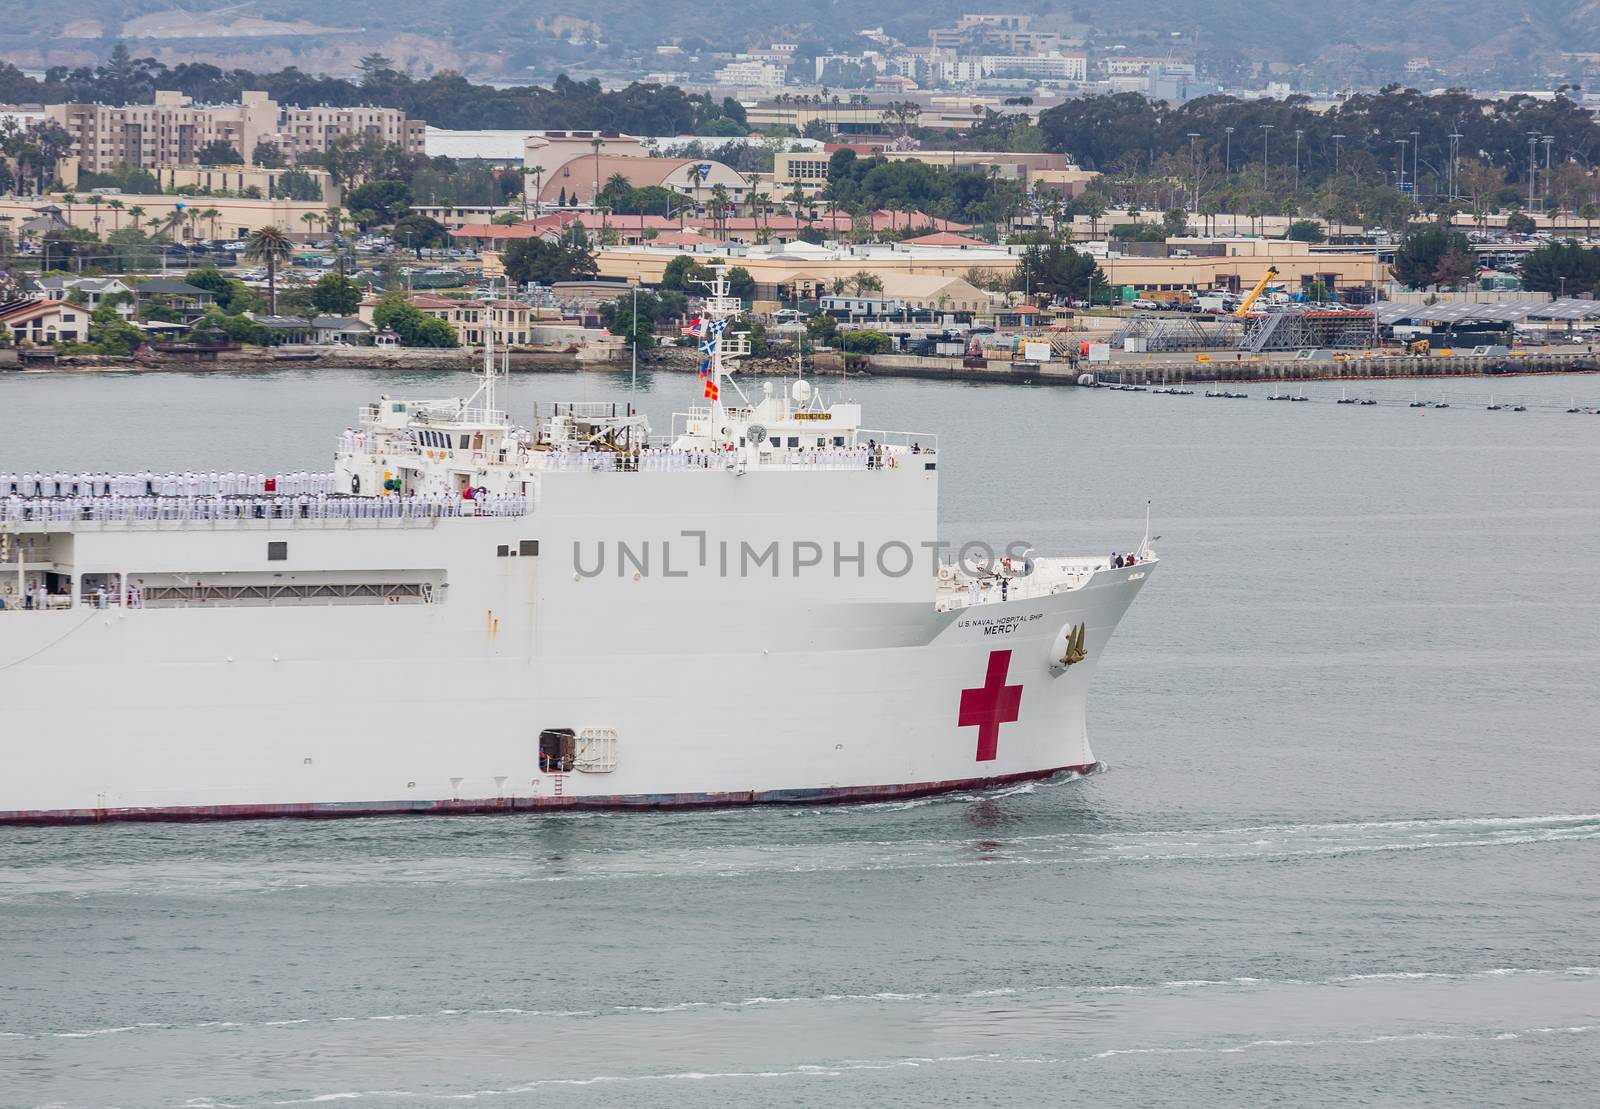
x: 1177, y: 369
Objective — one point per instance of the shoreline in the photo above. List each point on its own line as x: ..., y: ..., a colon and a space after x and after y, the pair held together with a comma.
x: 1148, y: 371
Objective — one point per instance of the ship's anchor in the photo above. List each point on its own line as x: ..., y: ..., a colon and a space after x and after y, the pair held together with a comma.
x: 1075, y: 650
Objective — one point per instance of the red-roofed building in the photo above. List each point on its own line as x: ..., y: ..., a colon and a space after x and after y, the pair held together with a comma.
x: 945, y: 239
x: 885, y: 220
x: 682, y: 238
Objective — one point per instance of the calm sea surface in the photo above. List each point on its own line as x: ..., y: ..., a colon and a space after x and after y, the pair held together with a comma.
x: 1346, y: 850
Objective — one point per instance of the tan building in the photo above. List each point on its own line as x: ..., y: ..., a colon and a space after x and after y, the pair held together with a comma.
x: 45, y: 322
x: 173, y: 130
x: 1239, y: 264
x: 809, y: 168
x: 238, y: 179
x: 236, y: 216
x: 511, y: 319
x: 693, y: 177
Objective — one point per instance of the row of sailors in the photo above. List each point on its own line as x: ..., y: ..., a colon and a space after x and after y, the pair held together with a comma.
x: 676, y: 459
x: 149, y: 484
x: 92, y: 509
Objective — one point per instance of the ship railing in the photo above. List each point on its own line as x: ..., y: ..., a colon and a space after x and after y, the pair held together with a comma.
x: 1014, y: 579
x: 310, y: 510
x: 148, y: 483
x: 911, y: 442
x: 653, y: 460
x: 446, y: 410
x: 583, y: 410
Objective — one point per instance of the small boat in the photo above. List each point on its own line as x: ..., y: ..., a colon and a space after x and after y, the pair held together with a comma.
x: 1519, y: 408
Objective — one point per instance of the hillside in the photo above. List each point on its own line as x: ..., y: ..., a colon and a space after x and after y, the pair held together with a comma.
x: 1466, y: 38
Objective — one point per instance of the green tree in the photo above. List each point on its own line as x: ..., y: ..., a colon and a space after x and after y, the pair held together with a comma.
x: 109, y: 333
x: 268, y: 154
x: 865, y: 342
x: 540, y: 260
x: 681, y: 273
x: 1520, y: 223
x: 385, y: 199
x: 210, y: 279
x: 335, y: 295
x: 415, y: 232
x: 1305, y: 231
x: 863, y: 282
x: 1564, y: 267
x: 1054, y: 269
x: 297, y: 184
x: 219, y: 152
x: 414, y: 327
x: 269, y: 245
x: 742, y: 285
x: 1417, y: 258
x: 822, y: 328
x: 618, y: 316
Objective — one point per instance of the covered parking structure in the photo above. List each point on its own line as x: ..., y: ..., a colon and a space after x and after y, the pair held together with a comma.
x: 1479, y: 319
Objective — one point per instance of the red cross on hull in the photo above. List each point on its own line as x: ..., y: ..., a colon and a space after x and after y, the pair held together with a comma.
x: 990, y: 705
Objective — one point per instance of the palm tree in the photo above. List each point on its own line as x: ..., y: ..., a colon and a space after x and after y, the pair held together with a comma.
x: 1094, y: 208
x: 692, y: 171
x: 597, y: 142
x: 1587, y: 213
x: 116, y: 207
x: 95, y: 200
x: 210, y: 215
x: 270, y: 245
x: 310, y: 219
x: 537, y: 173
x: 136, y: 215
x: 69, y: 199
x: 334, y: 221
x: 719, y: 209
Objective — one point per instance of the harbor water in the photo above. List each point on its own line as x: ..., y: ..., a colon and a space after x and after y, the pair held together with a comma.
x: 1343, y: 851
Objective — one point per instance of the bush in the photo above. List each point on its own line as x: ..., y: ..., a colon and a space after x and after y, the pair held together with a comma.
x: 865, y: 342
x: 1305, y: 231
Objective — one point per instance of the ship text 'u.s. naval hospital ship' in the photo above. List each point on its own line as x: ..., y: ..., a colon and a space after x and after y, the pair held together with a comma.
x: 466, y: 616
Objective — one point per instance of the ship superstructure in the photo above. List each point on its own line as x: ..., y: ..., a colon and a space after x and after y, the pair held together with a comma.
x: 465, y: 614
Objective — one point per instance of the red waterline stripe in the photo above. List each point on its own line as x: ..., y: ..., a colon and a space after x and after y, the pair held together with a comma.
x: 332, y: 810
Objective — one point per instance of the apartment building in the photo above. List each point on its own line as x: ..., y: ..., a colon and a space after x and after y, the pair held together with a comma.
x: 1013, y: 34
x: 173, y: 130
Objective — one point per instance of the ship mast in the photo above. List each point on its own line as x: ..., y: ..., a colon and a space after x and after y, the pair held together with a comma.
x: 718, y: 306
x: 490, y: 373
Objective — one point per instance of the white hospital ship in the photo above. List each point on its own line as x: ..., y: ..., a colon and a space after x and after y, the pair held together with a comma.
x: 469, y: 616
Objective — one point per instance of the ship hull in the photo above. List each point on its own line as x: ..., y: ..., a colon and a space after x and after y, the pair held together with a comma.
x: 719, y: 688
x: 486, y: 806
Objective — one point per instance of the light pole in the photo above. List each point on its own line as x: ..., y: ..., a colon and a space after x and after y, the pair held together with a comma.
x: 1194, y: 170
x: 1266, y: 129
x: 1416, y: 147
x: 1298, y: 135
x: 1337, y: 139
x: 1533, y: 165
x: 1455, y: 161
x: 1401, y: 143
x: 1547, y: 140
x: 1227, y: 152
